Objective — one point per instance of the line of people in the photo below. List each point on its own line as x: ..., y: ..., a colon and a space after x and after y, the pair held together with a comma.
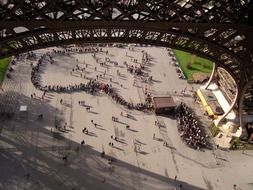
x: 93, y: 87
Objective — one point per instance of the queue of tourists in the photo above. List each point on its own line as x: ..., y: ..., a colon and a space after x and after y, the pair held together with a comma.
x: 93, y: 86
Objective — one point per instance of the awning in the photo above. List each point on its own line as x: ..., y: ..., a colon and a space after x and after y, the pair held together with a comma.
x: 209, y: 111
x: 201, y: 97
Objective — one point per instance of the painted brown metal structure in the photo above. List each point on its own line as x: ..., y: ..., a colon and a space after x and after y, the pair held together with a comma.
x: 218, y: 30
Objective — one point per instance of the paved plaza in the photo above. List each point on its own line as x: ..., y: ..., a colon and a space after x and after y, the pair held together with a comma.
x: 35, y: 154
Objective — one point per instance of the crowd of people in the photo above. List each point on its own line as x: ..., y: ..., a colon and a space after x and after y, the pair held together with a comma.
x: 188, y: 127
x: 93, y: 86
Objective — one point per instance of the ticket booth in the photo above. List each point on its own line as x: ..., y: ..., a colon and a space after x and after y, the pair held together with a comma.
x: 164, y: 105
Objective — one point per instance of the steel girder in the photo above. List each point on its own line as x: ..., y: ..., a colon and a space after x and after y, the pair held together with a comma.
x: 218, y: 30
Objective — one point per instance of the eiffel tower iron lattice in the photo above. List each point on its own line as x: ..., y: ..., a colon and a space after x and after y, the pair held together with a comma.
x: 218, y: 30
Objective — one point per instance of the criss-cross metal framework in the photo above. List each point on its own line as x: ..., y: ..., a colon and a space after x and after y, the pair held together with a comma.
x: 218, y: 30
